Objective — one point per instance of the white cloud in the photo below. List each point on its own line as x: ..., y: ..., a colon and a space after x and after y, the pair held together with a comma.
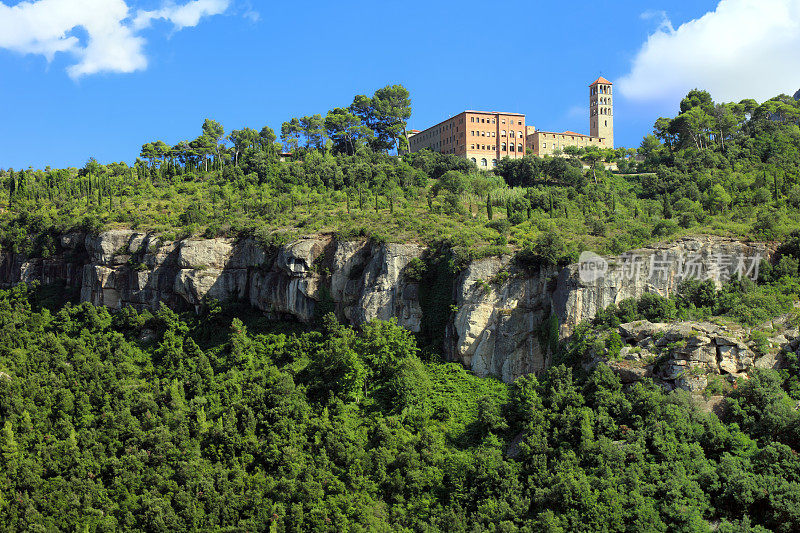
x: 112, y: 42
x: 183, y: 16
x: 743, y: 49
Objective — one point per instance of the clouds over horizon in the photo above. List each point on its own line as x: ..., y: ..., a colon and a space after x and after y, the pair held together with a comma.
x: 111, y: 40
x: 743, y: 49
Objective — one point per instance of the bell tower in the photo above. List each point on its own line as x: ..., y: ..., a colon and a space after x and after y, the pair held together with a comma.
x: 601, y: 111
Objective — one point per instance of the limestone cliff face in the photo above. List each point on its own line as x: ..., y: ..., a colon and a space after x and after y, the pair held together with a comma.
x: 499, y: 327
x: 506, y: 317
x: 657, y: 269
x: 359, y: 280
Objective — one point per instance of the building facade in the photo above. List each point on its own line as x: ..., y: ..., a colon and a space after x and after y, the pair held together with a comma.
x: 483, y: 137
x: 487, y: 137
x: 544, y: 143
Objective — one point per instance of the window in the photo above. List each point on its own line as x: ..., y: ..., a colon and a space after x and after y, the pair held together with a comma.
x: 473, y: 160
x: 483, y: 162
x: 512, y: 147
x: 483, y: 134
x: 503, y: 121
x: 494, y: 162
x: 494, y: 134
x: 472, y: 147
x: 493, y: 121
x: 503, y: 133
x: 503, y: 146
x: 520, y: 149
x: 472, y: 119
x: 544, y: 145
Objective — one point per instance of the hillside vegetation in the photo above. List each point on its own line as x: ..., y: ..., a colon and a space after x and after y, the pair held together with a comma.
x: 156, y: 422
x: 729, y: 169
x: 224, y: 421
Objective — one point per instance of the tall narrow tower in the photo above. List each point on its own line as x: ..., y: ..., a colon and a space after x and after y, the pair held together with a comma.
x: 601, y: 111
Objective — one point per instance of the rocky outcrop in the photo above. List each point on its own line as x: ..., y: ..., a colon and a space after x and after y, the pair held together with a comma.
x: 685, y: 355
x: 498, y: 327
x: 360, y: 280
x: 507, y: 317
x: 502, y: 328
x: 658, y: 269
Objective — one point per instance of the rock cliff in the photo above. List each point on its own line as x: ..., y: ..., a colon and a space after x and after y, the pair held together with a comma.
x: 685, y: 355
x: 359, y: 280
x: 506, y: 317
x: 501, y: 325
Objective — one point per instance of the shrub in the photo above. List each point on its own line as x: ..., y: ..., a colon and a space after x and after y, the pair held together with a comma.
x: 656, y: 308
x: 415, y: 269
x: 665, y: 228
x: 614, y: 344
x: 548, y: 249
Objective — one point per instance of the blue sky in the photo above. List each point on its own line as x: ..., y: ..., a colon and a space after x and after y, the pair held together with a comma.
x: 103, y: 83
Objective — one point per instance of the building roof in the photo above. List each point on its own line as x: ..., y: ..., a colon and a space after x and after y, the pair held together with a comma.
x: 564, y: 133
x: 601, y: 79
x: 471, y: 111
x: 413, y: 131
x: 492, y: 113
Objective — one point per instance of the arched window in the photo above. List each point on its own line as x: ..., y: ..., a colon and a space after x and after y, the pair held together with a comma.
x: 503, y: 146
x: 519, y: 148
x: 512, y: 147
x: 483, y: 162
x: 474, y: 160
x: 494, y: 162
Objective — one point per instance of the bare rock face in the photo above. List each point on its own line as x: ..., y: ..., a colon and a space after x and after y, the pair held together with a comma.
x: 506, y: 321
x: 359, y: 280
x: 500, y: 325
x: 683, y: 355
x: 112, y: 247
x: 497, y: 329
x: 657, y: 269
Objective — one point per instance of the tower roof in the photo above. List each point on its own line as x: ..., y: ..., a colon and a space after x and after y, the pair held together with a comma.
x: 601, y: 79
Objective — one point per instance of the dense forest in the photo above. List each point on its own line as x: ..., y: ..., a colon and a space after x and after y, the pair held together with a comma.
x: 158, y: 422
x: 222, y: 420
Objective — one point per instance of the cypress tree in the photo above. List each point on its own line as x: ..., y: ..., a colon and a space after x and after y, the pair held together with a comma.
x: 667, y: 207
